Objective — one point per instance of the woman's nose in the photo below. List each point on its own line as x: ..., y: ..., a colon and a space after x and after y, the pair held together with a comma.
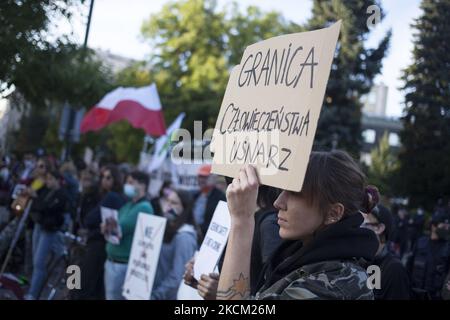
x: 281, y: 202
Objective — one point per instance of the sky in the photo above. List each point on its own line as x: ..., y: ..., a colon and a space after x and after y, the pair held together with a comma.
x: 116, y: 26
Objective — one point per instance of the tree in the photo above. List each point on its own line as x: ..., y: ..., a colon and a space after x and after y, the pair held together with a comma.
x: 195, y: 45
x: 352, y: 72
x: 383, y: 168
x: 425, y: 156
x: 45, y: 70
x: 25, y: 31
x: 69, y: 74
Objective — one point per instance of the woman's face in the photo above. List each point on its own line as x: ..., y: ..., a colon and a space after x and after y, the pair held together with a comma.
x: 41, y: 168
x: 174, y: 203
x: 107, y: 181
x: 298, y: 219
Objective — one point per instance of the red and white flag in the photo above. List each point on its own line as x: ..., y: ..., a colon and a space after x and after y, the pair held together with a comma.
x: 140, y: 106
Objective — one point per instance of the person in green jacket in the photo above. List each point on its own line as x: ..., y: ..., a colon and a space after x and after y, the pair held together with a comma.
x: 135, y: 189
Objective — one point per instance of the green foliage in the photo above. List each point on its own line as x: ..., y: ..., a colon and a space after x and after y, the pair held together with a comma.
x: 195, y: 47
x: 25, y: 32
x: 383, y: 167
x: 353, y: 70
x: 425, y: 157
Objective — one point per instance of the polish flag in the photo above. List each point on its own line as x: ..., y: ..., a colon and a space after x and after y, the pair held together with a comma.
x: 140, y: 106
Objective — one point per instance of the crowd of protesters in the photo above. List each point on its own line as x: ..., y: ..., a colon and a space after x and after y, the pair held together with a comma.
x: 313, y: 244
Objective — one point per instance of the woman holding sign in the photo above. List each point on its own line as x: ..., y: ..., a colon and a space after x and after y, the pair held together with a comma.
x: 325, y: 245
x: 179, y: 245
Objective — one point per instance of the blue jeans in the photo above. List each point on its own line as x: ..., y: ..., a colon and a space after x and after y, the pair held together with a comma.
x: 114, y: 279
x: 44, y: 243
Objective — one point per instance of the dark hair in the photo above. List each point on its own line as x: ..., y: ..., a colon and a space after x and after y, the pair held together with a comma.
x: 384, y: 216
x: 48, y: 165
x: 334, y: 177
x: 116, y: 175
x: 55, y: 174
x: 140, y: 177
x: 267, y: 196
x: 185, y: 217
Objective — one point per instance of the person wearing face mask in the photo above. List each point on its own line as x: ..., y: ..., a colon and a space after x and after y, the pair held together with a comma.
x: 135, y: 189
x: 394, y: 284
x: 179, y: 244
x: 47, y: 212
x: 206, y: 201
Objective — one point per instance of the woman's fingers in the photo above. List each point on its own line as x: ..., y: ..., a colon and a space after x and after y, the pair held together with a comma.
x: 214, y: 276
x: 252, y: 177
x: 206, y: 289
x: 243, y: 179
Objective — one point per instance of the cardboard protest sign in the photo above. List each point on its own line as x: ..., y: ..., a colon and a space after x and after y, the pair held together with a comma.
x: 271, y: 107
x: 147, y: 241
x: 110, y: 218
x: 215, y: 239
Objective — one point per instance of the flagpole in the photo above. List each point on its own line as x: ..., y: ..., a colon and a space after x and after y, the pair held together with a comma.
x: 67, y: 150
x: 88, y: 26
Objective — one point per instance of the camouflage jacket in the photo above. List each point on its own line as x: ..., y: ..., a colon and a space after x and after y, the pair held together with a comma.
x: 335, y: 280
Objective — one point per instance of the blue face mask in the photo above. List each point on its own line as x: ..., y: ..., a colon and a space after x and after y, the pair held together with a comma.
x: 171, y: 215
x: 129, y: 190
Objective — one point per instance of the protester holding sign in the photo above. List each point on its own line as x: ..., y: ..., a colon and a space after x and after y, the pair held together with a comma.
x: 179, y: 244
x: 265, y: 240
x: 118, y: 254
x: 92, y: 264
x: 323, y: 226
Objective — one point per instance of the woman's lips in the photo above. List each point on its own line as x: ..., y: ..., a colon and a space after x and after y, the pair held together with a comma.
x: 281, y: 220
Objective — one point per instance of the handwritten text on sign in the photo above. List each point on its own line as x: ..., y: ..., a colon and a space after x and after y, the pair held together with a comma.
x: 271, y: 107
x: 215, y: 239
x: 144, y: 257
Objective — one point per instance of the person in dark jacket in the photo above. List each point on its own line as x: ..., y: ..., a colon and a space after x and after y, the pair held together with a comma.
x: 431, y: 259
x: 208, y: 198
x: 394, y: 284
x: 416, y: 223
x: 325, y: 247
x: 401, y: 234
x: 92, y: 265
x: 47, y: 212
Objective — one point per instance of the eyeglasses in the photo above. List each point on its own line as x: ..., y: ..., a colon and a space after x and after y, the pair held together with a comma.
x: 41, y: 166
x: 108, y: 177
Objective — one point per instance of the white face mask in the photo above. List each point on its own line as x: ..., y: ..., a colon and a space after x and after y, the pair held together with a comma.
x: 129, y: 190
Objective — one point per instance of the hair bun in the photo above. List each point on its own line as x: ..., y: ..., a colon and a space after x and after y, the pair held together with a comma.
x: 371, y: 198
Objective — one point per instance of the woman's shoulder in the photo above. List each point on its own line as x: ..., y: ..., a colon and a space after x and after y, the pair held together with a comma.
x: 186, y: 232
x: 144, y: 206
x: 325, y: 280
